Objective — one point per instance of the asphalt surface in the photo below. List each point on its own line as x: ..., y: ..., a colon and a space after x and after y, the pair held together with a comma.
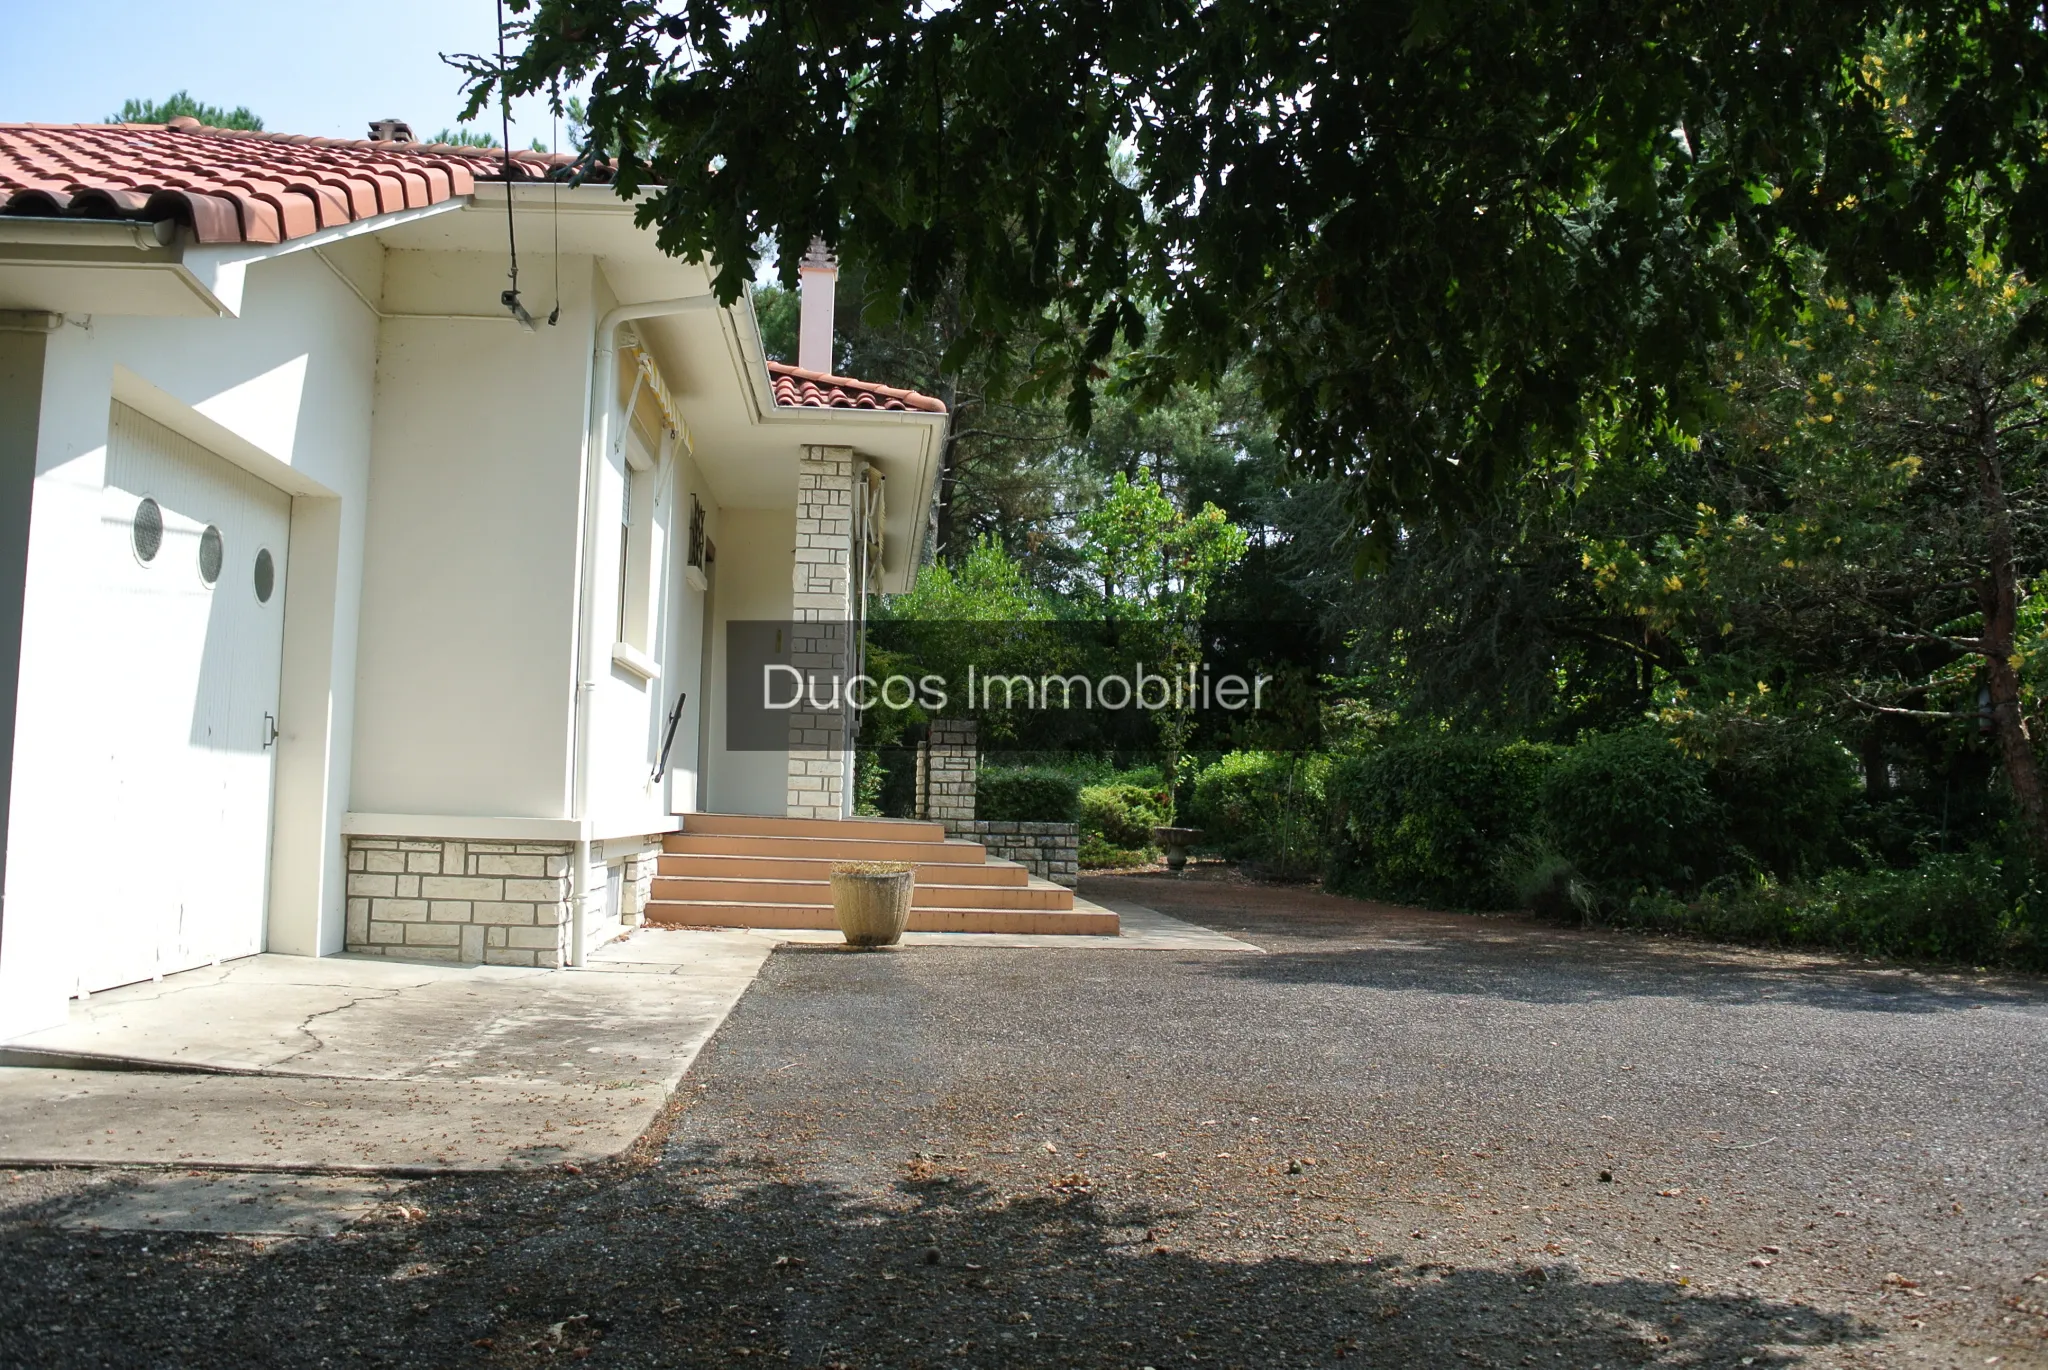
x: 1395, y: 1139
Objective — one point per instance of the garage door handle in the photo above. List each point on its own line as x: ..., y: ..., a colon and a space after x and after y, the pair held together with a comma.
x: 269, y: 730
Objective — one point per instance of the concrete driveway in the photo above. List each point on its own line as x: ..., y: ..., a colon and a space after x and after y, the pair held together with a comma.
x: 358, y: 1063
x: 353, y: 1063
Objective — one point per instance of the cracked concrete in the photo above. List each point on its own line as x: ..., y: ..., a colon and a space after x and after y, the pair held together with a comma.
x: 363, y: 1064
x: 354, y: 1063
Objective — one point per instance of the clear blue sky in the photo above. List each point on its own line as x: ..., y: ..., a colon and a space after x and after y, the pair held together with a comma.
x: 323, y: 68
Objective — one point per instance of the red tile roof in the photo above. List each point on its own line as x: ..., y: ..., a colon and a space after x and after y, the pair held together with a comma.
x: 231, y: 186
x: 798, y: 388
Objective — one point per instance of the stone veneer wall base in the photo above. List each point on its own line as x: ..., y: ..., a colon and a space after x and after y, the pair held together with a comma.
x: 488, y: 903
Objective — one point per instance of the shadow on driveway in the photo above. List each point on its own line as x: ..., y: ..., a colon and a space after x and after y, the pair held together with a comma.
x: 712, y: 1256
x: 1316, y: 938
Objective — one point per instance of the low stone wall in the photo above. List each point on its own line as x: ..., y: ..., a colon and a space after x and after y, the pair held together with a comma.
x: 495, y: 903
x: 1051, y: 851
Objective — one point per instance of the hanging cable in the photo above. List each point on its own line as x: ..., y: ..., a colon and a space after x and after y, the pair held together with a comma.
x: 555, y: 175
x: 510, y: 298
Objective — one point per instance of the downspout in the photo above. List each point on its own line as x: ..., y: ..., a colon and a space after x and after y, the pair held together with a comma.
x: 597, y: 446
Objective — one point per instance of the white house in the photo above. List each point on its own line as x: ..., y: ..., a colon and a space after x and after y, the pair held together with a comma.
x: 339, y: 608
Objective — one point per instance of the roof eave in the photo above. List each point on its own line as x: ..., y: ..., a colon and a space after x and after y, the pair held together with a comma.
x: 132, y: 268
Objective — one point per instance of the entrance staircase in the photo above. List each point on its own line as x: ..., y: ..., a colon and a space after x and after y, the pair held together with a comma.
x: 737, y: 870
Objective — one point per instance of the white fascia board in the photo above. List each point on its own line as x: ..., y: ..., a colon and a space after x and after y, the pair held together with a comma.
x: 86, y: 266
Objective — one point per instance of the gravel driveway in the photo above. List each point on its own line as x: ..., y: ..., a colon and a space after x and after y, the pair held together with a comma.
x: 1395, y: 1139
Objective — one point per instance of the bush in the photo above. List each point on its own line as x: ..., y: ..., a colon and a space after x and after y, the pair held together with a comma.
x: 1117, y: 822
x: 1098, y: 855
x: 1972, y: 907
x: 1263, y: 808
x: 1430, y: 819
x: 1784, y: 792
x: 1632, y: 812
x: 1027, y: 794
x: 1543, y: 881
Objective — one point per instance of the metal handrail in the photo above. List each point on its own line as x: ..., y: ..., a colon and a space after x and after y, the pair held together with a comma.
x: 668, y: 738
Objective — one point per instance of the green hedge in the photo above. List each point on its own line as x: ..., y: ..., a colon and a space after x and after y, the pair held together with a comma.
x: 1027, y: 794
x: 1432, y: 819
x: 1630, y: 811
x: 1264, y: 808
x: 1785, y: 793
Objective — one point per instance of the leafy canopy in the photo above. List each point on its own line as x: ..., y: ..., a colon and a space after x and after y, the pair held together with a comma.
x: 181, y: 105
x: 1450, y: 236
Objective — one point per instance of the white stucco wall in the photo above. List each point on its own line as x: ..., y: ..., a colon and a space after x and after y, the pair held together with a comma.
x: 469, y: 594
x: 627, y: 709
x: 685, y: 647
x: 284, y: 390
x: 755, y: 558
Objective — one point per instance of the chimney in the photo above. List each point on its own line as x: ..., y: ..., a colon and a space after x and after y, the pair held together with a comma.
x: 390, y: 131
x: 819, y: 272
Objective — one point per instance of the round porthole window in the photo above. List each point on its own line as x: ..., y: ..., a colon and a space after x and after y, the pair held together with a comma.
x: 210, y: 554
x: 148, y: 531
x: 266, y: 576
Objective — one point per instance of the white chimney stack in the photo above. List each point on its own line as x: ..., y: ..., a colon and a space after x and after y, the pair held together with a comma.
x: 819, y: 272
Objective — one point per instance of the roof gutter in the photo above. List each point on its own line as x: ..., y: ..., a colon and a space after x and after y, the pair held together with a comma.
x: 604, y: 381
x: 89, y: 233
x: 96, y: 256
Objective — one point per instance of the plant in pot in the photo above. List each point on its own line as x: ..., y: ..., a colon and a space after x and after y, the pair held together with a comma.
x: 871, y: 900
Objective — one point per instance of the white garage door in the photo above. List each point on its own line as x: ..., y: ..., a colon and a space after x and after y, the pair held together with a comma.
x: 194, y: 549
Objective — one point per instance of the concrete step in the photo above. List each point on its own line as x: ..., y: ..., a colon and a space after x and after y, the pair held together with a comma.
x: 701, y: 913
x: 830, y: 848
x: 759, y: 825
x: 1043, y: 895
x: 995, y: 871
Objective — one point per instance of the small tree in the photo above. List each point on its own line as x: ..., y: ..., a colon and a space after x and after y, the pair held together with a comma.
x: 1156, y: 564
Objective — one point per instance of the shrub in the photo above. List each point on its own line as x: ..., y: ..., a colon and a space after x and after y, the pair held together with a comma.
x: 1784, y: 792
x: 1027, y: 794
x: 1974, y: 907
x: 1120, y: 818
x: 869, y: 775
x: 1631, y: 811
x: 1543, y: 881
x: 1429, y: 819
x: 1264, y: 808
x: 1097, y: 854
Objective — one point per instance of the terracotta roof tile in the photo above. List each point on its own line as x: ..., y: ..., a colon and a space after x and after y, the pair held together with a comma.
x: 232, y: 186
x: 798, y: 388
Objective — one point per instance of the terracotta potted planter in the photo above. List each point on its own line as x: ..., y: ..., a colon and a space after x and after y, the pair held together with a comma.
x: 1176, y: 841
x: 872, y: 900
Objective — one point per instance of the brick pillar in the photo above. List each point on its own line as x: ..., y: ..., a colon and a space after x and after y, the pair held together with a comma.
x: 946, y: 767
x: 821, y: 641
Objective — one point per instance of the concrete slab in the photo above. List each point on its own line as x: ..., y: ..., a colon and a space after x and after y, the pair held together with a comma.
x: 365, y: 1018
x: 233, y: 1204
x: 361, y: 1064
x: 245, y: 1122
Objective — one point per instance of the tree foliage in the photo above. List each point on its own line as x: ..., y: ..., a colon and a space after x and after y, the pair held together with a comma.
x: 1450, y: 239
x: 181, y: 105
x: 1871, y: 533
